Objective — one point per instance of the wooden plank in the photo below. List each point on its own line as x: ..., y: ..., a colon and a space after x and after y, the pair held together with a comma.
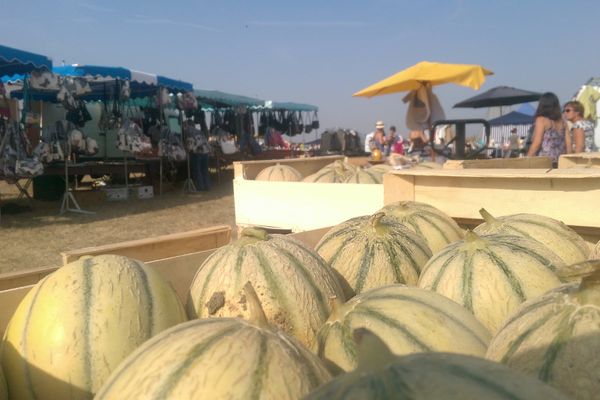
x: 161, y: 246
x: 306, y: 166
x: 579, y: 160
x: 301, y: 206
x: 398, y: 187
x: 10, y: 299
x: 525, y: 162
x: 15, y: 279
x: 567, y: 195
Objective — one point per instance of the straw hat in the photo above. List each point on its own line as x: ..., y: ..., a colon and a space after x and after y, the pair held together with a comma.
x: 379, y: 125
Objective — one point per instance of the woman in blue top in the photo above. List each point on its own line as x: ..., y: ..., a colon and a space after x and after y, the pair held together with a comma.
x: 549, y: 129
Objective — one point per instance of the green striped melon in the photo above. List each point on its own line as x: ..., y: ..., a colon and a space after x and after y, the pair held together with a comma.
x: 556, y: 338
x: 595, y: 253
x: 492, y: 274
x: 407, y: 319
x: 218, y: 358
x: 554, y: 234
x: 427, y: 165
x: 364, y: 176
x: 372, y: 251
x: 279, y: 172
x: 3, y: 389
x: 336, y: 172
x: 292, y: 281
x: 381, y: 375
x: 438, y: 229
x: 77, y: 324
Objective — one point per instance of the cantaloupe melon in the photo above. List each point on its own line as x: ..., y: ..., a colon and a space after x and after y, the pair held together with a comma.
x: 77, y: 324
x: 336, y: 172
x: 556, y: 338
x: 292, y: 282
x: 438, y: 229
x: 279, y: 172
x: 407, y: 319
x: 372, y: 251
x: 364, y: 176
x: 381, y: 375
x: 492, y: 274
x: 554, y: 234
x: 595, y: 253
x: 218, y: 358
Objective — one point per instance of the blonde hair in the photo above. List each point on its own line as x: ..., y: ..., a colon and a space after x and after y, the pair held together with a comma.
x: 576, y: 106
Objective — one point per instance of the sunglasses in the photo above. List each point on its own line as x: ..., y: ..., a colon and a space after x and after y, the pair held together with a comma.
x: 568, y: 110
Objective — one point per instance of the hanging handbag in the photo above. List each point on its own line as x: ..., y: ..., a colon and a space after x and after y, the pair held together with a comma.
x: 315, y: 122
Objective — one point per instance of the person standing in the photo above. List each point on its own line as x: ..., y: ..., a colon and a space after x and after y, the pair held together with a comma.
x: 581, y: 135
x: 549, y: 129
x: 379, y: 137
x: 390, y: 140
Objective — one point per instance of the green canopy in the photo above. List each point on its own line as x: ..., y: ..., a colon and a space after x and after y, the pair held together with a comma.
x: 217, y: 99
x: 288, y: 106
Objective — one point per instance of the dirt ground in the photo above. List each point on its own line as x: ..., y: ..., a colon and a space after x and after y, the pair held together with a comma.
x: 35, y: 238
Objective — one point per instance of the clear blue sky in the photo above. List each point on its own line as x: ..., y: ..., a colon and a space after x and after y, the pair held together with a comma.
x: 320, y: 52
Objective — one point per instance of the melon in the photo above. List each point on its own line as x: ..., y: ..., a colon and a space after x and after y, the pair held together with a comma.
x: 381, y: 375
x: 76, y: 325
x: 364, y: 176
x: 336, y: 172
x: 218, y: 358
x: 427, y: 165
x: 407, y: 319
x: 556, y: 338
x: 438, y: 229
x: 554, y: 234
x: 279, y: 172
x: 373, y: 251
x: 292, y: 281
x: 3, y: 389
x: 492, y: 274
x: 595, y: 253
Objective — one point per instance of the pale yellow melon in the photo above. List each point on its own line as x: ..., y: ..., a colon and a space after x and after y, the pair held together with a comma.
x: 408, y: 320
x: 279, y: 172
x: 76, y: 325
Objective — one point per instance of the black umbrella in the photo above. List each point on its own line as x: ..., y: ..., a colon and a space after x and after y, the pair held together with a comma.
x: 499, y: 96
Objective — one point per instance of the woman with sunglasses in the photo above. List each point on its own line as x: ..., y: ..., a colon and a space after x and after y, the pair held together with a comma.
x: 549, y: 129
x: 582, y: 131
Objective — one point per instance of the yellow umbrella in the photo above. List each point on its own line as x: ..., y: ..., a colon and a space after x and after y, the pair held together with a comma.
x: 435, y: 74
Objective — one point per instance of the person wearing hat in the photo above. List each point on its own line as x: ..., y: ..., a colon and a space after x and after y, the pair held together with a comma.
x: 379, y: 136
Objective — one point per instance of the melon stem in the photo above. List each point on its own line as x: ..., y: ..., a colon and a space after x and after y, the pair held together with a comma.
x: 471, y: 237
x: 372, y: 353
x: 255, y: 233
x: 336, y: 304
x: 375, y: 219
x: 487, y: 217
x: 257, y: 314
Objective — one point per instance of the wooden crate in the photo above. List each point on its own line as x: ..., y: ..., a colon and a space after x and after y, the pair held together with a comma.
x: 299, y: 206
x: 579, y: 160
x: 525, y: 162
x: 179, y: 270
x: 569, y: 195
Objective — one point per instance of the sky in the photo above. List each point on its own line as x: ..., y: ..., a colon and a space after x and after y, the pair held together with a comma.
x: 320, y: 52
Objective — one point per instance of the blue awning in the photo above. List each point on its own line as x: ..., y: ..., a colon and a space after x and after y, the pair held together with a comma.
x: 14, y: 61
x: 102, y: 73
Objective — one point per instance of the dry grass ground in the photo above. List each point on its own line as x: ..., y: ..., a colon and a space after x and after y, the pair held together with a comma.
x: 35, y: 238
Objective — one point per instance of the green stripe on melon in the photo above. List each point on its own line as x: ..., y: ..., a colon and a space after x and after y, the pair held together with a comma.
x: 438, y: 229
x: 407, y: 319
x: 218, y: 358
x: 292, y: 282
x: 381, y: 375
x: 554, y: 234
x: 364, y: 176
x: 556, y: 338
x: 373, y: 251
x: 336, y: 172
x: 492, y: 274
x: 77, y: 324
